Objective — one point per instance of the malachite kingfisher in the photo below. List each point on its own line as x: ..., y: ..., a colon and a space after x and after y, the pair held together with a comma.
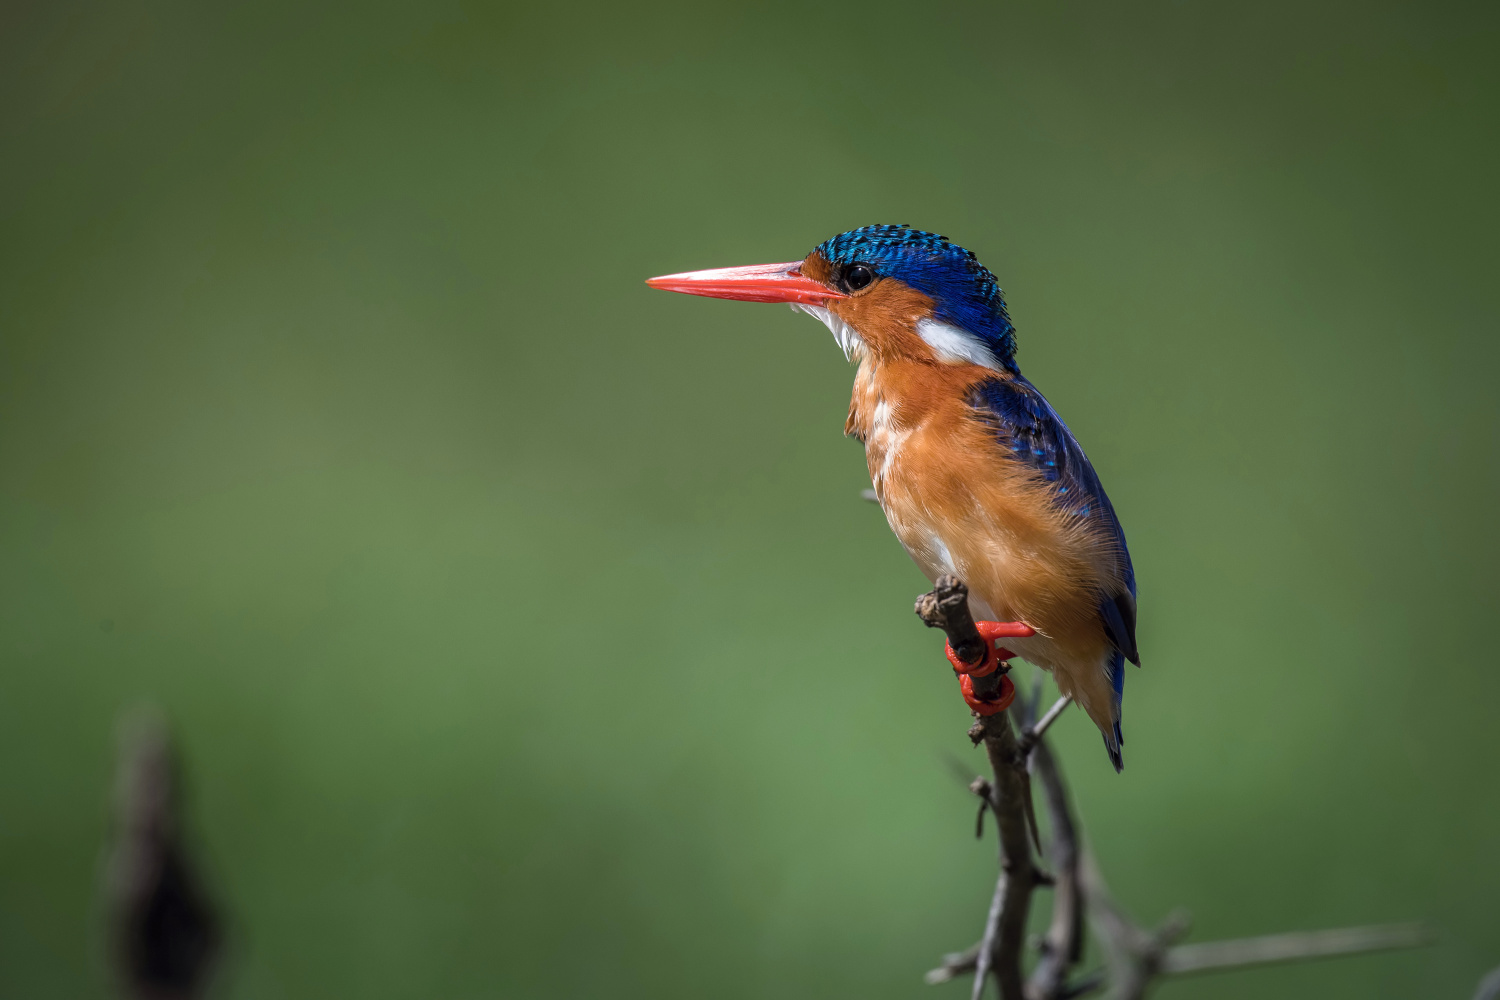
x: 977, y: 474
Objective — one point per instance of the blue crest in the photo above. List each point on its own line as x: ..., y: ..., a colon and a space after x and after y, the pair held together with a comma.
x: 963, y: 290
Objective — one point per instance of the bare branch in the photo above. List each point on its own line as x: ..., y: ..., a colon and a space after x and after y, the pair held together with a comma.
x: 1138, y: 957
x: 1136, y: 978
x: 1010, y: 799
x: 946, y: 607
x: 958, y: 963
x: 985, y: 958
x: 1062, y: 947
x: 1031, y: 734
x: 1134, y: 956
x: 1118, y: 932
x: 1214, y: 955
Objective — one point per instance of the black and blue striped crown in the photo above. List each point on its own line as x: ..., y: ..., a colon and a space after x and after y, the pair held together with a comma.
x: 963, y: 290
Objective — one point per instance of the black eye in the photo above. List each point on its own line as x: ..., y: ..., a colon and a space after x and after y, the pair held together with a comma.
x: 857, y: 276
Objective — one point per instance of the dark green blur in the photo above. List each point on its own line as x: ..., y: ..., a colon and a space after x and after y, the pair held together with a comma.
x: 523, y: 629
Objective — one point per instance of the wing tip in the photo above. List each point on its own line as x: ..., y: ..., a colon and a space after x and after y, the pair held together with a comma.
x: 1117, y: 612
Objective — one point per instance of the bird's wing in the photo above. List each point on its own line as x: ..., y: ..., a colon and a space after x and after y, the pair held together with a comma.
x: 1032, y: 431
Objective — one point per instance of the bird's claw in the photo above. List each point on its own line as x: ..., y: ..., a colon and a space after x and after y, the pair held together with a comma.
x: 994, y: 660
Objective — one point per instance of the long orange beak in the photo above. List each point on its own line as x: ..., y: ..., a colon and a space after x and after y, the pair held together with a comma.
x: 757, y: 283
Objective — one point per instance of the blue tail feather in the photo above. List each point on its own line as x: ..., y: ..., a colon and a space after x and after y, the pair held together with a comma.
x: 1117, y: 682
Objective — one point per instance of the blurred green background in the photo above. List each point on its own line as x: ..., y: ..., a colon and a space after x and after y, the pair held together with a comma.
x: 334, y: 416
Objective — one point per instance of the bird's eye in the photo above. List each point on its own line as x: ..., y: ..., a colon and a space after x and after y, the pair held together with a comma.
x: 857, y: 276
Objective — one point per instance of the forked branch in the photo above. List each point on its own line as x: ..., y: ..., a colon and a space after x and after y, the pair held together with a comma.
x: 1134, y: 956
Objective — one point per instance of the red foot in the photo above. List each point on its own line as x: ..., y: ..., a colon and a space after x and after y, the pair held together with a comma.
x: 989, y: 632
x: 1000, y: 704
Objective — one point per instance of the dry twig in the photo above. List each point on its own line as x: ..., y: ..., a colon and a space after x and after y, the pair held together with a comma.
x: 1215, y: 955
x: 1033, y: 732
x: 1062, y: 946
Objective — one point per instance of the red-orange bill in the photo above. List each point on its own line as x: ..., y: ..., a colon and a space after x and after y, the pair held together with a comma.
x: 757, y: 283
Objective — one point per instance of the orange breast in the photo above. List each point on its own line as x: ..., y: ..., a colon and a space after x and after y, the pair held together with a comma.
x: 959, y: 503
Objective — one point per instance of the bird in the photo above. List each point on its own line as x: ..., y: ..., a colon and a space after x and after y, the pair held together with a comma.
x: 977, y: 474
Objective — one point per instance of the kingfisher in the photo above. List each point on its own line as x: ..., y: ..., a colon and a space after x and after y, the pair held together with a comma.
x: 976, y: 473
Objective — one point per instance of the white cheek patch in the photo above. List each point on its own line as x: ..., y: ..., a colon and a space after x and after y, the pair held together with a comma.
x: 955, y: 346
x: 849, y: 341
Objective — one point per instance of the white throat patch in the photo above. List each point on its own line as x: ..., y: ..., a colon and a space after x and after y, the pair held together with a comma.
x: 849, y: 341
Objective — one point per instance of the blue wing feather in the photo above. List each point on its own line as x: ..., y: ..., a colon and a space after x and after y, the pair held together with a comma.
x: 1033, y: 432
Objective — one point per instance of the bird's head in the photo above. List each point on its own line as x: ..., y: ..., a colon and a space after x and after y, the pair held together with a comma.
x: 885, y: 291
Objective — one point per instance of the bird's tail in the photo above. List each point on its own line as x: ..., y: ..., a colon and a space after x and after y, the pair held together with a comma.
x: 1114, y: 740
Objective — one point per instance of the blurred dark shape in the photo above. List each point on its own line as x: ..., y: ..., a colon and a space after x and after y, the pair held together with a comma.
x: 165, y: 934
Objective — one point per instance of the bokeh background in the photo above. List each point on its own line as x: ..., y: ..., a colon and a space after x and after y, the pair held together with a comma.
x: 523, y: 629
